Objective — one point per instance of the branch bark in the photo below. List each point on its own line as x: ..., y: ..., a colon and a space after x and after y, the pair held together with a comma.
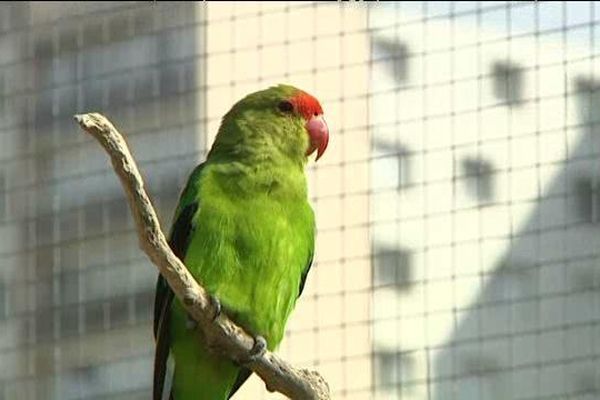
x: 221, y: 333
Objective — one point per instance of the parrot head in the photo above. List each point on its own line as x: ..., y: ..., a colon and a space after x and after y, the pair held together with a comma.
x: 281, y: 118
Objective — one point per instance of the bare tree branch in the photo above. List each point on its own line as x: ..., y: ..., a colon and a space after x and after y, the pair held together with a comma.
x: 221, y: 333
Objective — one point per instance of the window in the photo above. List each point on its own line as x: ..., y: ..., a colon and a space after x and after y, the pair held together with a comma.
x: 93, y: 221
x: 69, y: 287
x: 143, y: 304
x: 395, y: 55
x: 585, y: 278
x: 3, y: 196
x: 68, y: 224
x: 508, y: 82
x: 94, y: 316
x: 69, y: 320
x: 3, y: 301
x: 393, y: 267
x: 481, y: 379
x: 393, y: 368
x: 3, y: 93
x: 119, y: 312
x: 587, y: 201
x: 587, y: 383
x: 478, y: 176
x: 587, y: 94
x: 44, y: 321
x: 118, y: 215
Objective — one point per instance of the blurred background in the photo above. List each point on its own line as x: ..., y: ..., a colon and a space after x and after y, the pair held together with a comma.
x: 458, y: 203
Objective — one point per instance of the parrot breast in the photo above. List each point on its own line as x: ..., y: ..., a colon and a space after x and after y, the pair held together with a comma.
x: 252, y: 247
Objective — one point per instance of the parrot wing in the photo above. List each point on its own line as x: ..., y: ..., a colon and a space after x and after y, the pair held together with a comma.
x: 180, y: 237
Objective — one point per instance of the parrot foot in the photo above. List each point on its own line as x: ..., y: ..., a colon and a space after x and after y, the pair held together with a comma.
x: 258, y: 349
x: 217, y: 305
x: 190, y: 323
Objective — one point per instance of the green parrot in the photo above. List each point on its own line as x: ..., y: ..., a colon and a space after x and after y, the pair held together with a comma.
x: 245, y: 230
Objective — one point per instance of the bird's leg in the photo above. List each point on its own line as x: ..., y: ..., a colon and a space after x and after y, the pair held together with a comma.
x: 191, y: 324
x: 258, y: 349
x: 217, y: 305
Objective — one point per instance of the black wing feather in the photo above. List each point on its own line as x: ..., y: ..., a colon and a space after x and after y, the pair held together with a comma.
x: 305, y: 273
x: 179, y: 242
x: 242, y: 377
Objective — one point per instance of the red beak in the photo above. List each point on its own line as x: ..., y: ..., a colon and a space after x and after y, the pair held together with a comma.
x: 319, y: 135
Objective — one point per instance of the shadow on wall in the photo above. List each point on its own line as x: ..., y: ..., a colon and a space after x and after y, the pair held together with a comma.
x: 533, y: 330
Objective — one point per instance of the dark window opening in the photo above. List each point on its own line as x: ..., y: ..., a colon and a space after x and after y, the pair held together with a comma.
x: 478, y: 175
x: 3, y: 93
x: 67, y: 40
x: 93, y: 220
x: 119, y: 312
x: 587, y: 383
x: 479, y: 365
x: 587, y: 199
x: 69, y: 321
x: 508, y: 82
x: 144, y: 306
x: 3, y: 301
x: 392, y: 267
x: 393, y: 368
x: 3, y: 196
x: 94, y: 316
x: 44, y: 325
x: 69, y: 288
x: 586, y: 278
x: 587, y: 90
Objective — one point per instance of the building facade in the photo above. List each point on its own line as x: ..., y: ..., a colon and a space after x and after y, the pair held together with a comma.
x: 77, y: 294
x: 484, y: 205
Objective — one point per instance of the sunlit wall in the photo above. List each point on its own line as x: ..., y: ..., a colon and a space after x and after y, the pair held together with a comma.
x: 485, y: 206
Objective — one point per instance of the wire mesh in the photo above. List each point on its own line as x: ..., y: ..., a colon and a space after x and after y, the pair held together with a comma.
x: 457, y: 204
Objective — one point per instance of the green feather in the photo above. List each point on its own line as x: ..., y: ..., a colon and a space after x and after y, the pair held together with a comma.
x: 252, y: 236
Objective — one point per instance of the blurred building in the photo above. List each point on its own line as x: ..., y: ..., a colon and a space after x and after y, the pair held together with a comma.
x: 76, y: 293
x: 485, y: 201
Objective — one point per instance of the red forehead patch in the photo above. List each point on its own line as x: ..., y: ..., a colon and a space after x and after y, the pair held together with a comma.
x: 306, y: 105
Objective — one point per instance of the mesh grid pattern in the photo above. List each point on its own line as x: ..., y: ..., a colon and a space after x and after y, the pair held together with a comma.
x: 457, y: 204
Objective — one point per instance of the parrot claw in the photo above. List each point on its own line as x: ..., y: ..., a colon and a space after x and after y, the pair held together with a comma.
x: 190, y: 323
x: 217, y: 304
x: 258, y: 349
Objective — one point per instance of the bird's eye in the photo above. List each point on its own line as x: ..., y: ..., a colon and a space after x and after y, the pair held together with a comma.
x: 285, y: 106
